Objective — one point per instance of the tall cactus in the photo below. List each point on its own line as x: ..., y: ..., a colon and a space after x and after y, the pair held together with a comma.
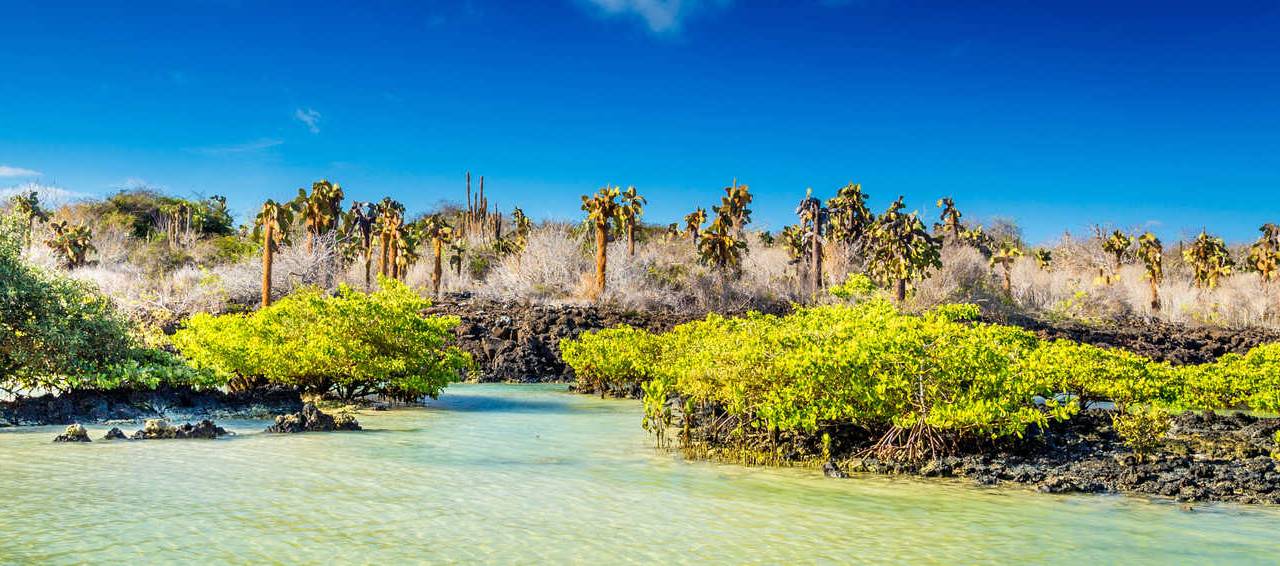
x: 950, y: 217
x: 693, y: 223
x: 71, y: 242
x: 901, y: 249
x: 1117, y: 245
x: 602, y: 211
x: 27, y: 206
x: 440, y: 233
x: 1264, y: 254
x: 850, y: 218
x: 1151, y: 251
x: 271, y: 226
x: 813, y: 221
x: 1005, y: 256
x: 630, y: 210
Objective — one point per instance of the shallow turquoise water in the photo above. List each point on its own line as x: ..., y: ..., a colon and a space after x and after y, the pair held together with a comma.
x: 531, y: 474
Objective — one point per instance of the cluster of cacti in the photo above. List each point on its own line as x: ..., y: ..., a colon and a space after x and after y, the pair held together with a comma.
x: 320, y: 210
x: 390, y: 221
x: 893, y: 248
x: 478, y: 220
x: 1209, y: 259
x: 72, y: 243
x: 177, y: 219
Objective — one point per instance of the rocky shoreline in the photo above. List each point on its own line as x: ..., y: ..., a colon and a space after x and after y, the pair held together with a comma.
x: 1206, y: 457
x: 162, y: 403
x: 520, y: 342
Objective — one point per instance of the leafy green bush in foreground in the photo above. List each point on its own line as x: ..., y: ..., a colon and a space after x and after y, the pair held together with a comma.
x: 58, y: 334
x: 351, y: 345
x: 923, y: 383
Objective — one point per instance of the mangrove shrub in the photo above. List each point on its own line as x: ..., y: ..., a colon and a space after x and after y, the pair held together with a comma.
x: 351, y: 344
x: 917, y: 386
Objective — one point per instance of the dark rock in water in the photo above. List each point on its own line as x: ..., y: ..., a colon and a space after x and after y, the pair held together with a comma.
x: 155, y: 429
x: 115, y: 434
x: 161, y: 429
x: 203, y: 429
x: 831, y: 470
x: 311, y: 419
x: 74, y: 433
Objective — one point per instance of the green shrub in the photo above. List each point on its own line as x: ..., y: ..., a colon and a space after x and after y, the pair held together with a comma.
x: 350, y: 345
x: 1143, y: 429
x: 59, y: 334
x: 924, y: 382
x: 1249, y: 381
x: 52, y: 326
x: 856, y: 287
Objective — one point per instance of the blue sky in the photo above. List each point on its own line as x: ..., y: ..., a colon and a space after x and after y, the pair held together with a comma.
x: 1056, y: 114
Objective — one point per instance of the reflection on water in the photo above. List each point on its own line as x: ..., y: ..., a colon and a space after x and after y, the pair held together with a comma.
x: 501, y: 473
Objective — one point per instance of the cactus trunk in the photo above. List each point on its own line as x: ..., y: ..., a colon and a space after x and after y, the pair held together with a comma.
x: 267, y: 251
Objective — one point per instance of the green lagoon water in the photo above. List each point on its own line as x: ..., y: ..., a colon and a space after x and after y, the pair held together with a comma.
x: 532, y: 474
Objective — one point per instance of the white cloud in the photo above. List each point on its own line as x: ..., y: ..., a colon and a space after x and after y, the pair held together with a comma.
x: 49, y: 194
x: 8, y: 171
x: 255, y: 145
x: 661, y: 16
x: 309, y: 117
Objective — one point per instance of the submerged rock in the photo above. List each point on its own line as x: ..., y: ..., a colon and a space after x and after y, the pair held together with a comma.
x: 203, y: 429
x: 312, y: 419
x: 74, y: 433
x: 161, y: 429
x: 831, y: 470
x: 115, y: 434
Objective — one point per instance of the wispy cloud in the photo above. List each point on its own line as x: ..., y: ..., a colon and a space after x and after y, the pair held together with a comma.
x: 247, y: 147
x: 9, y: 171
x: 660, y: 16
x: 309, y: 117
x: 137, y: 184
x: 49, y: 194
